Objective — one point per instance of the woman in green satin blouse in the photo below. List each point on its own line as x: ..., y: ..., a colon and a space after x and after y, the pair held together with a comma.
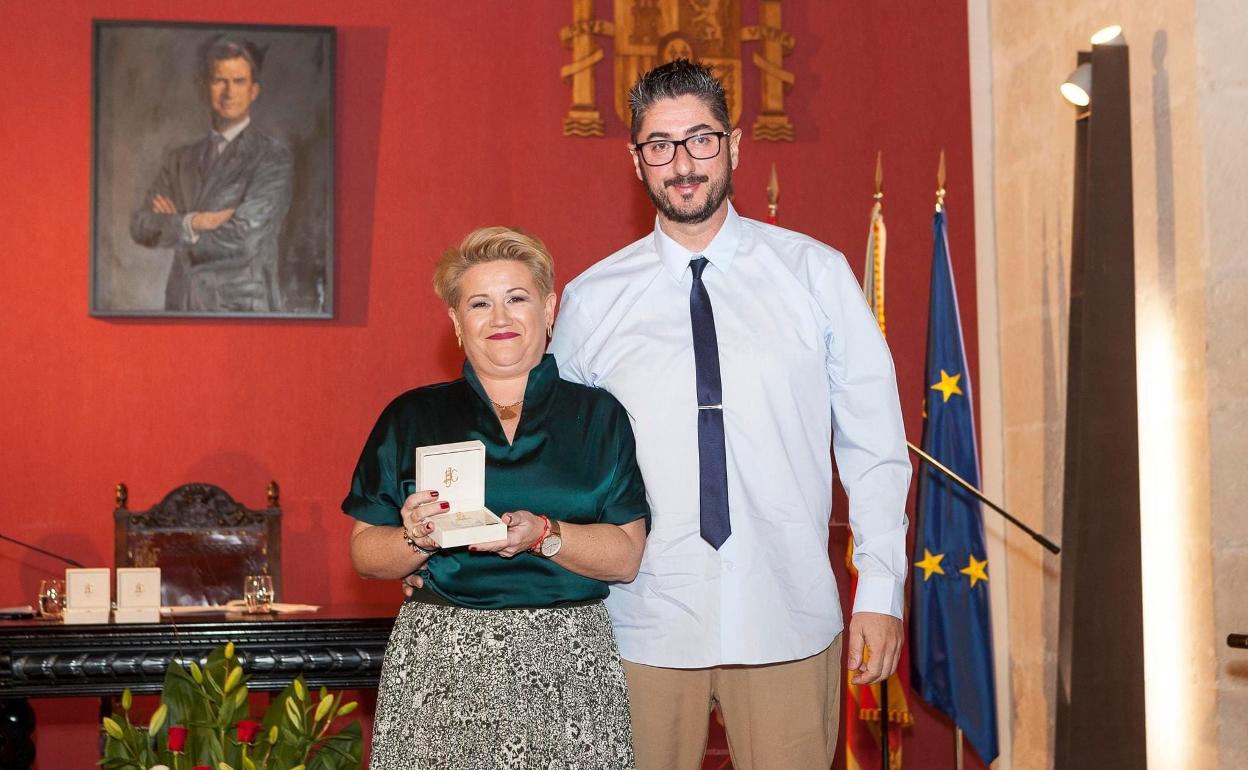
x: 503, y: 656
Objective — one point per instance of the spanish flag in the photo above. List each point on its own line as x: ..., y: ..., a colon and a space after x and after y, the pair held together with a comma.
x: 862, y: 702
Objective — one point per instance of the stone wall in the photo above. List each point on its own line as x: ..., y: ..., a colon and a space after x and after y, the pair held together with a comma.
x: 1189, y: 91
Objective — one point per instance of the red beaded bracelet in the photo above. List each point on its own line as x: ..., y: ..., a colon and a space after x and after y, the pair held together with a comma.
x: 537, y: 544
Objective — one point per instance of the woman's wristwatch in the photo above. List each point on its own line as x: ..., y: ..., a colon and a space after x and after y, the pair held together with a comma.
x: 551, y: 542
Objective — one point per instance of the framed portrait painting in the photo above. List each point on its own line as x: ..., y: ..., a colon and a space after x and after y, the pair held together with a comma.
x: 212, y: 170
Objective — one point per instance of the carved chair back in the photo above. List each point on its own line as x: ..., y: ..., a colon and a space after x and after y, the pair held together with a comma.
x: 204, y: 542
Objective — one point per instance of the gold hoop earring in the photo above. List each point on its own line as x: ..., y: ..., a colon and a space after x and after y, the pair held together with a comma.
x: 550, y: 330
x: 459, y: 341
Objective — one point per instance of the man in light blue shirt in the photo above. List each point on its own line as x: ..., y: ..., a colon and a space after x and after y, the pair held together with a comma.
x: 741, y: 351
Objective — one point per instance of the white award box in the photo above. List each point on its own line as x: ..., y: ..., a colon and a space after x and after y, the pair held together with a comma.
x: 138, y: 595
x: 87, y: 596
x: 457, y: 472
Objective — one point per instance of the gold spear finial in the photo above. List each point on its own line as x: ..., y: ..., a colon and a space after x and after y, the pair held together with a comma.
x: 773, y: 195
x: 879, y: 175
x: 940, y: 182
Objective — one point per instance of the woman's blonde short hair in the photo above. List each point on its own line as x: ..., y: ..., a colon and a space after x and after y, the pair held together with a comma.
x: 490, y: 244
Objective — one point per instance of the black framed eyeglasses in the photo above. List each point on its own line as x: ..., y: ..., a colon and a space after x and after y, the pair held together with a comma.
x: 660, y: 152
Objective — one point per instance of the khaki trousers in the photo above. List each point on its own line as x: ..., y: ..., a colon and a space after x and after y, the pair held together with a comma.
x: 779, y: 716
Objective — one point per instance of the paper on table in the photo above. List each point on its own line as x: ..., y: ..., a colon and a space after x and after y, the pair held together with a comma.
x: 234, y: 605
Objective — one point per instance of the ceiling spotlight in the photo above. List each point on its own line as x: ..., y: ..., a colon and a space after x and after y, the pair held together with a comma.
x: 1111, y: 35
x: 1078, y: 87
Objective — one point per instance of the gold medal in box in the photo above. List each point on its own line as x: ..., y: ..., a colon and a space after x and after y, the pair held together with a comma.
x: 457, y: 472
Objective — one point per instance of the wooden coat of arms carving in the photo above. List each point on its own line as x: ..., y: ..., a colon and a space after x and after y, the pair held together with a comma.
x: 650, y: 32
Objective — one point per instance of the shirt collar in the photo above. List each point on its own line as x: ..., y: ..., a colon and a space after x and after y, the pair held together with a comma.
x: 537, y: 391
x: 722, y: 248
x: 231, y: 133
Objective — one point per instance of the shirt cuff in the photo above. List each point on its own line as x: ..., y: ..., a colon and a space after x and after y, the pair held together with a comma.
x: 188, y: 233
x: 879, y: 594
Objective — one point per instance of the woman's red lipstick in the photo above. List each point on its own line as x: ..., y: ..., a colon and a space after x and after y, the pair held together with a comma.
x: 502, y: 336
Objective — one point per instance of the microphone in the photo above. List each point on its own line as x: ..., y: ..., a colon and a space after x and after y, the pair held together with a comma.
x: 37, y: 549
x: 1237, y: 640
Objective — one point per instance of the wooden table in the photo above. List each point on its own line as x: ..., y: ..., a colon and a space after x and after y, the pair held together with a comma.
x: 338, y: 647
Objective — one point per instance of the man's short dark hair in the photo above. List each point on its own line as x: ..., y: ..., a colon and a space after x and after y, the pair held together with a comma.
x: 220, y: 48
x: 677, y: 78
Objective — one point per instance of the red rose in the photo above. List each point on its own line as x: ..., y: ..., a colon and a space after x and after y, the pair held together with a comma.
x: 247, y: 729
x: 177, y: 739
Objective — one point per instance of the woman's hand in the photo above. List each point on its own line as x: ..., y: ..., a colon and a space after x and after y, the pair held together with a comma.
x: 416, y: 510
x: 523, y: 530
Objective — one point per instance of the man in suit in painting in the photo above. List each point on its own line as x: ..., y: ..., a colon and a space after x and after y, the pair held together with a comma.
x: 220, y: 202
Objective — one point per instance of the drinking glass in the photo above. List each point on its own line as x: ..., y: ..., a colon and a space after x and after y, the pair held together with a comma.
x: 51, y: 598
x: 258, y: 593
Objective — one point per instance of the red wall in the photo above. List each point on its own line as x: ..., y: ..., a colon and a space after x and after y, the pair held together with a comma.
x: 448, y: 118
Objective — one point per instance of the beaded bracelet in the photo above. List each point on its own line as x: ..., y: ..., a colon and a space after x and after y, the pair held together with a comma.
x: 416, y: 547
x: 537, y: 544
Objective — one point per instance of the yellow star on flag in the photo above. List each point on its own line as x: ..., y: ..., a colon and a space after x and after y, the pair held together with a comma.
x: 930, y: 564
x: 948, y: 384
x: 976, y: 570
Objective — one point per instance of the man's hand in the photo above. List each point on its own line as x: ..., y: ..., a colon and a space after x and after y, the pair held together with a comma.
x: 874, y: 646
x: 162, y: 205
x: 207, y: 220
x: 411, y: 583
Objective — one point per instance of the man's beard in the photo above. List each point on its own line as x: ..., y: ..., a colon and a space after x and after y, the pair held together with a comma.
x: 715, y: 196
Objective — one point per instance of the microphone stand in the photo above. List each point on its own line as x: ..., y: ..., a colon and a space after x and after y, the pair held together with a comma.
x: 1048, y: 544
x: 37, y: 549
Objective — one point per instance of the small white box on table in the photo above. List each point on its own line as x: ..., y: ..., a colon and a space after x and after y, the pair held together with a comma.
x: 138, y: 595
x: 457, y: 472
x: 87, y: 596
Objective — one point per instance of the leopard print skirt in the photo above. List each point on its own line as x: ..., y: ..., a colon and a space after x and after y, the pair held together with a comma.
x: 523, y: 689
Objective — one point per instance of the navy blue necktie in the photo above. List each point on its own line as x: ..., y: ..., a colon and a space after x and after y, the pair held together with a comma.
x: 712, y: 461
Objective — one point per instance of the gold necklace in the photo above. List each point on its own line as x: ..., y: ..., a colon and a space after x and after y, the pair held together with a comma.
x: 507, y: 412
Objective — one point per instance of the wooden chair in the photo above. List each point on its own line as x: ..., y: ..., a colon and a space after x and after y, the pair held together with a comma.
x: 204, y: 542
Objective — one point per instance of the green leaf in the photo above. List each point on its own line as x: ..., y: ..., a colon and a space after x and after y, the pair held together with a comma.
x: 225, y: 717
x: 113, y: 729
x: 216, y: 688
x: 341, y: 751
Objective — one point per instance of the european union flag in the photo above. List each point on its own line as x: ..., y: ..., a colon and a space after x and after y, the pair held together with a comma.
x: 950, y: 618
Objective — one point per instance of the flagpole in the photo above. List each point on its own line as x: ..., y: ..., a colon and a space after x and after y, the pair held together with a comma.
x: 773, y: 197
x: 957, y: 747
x: 884, y: 763
x: 882, y: 701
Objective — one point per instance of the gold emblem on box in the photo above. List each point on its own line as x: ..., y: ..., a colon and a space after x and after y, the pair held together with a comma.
x: 461, y: 468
